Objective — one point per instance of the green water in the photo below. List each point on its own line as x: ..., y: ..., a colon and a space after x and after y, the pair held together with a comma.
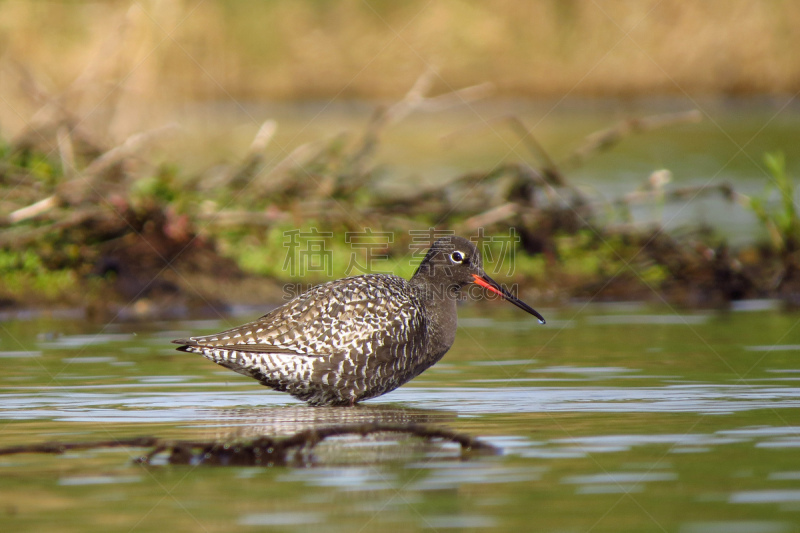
x: 610, y: 418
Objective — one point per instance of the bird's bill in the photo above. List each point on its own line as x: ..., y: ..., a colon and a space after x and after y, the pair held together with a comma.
x: 488, y: 283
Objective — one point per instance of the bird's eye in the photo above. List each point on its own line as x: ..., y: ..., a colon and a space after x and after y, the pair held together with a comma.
x: 457, y: 257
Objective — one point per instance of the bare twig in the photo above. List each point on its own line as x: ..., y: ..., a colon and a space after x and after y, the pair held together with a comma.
x: 277, y: 178
x: 263, y: 137
x: 65, y: 151
x: 681, y: 194
x: 61, y: 219
x: 61, y: 447
x: 311, y: 437
x: 492, y: 216
x: 244, y: 218
x: 546, y: 163
x: 547, y: 173
x: 609, y: 137
x: 33, y: 210
x: 129, y: 147
x: 414, y: 99
x: 51, y: 115
x: 242, y: 174
x: 264, y: 451
x: 456, y: 98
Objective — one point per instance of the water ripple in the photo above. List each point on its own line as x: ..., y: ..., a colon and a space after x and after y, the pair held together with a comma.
x: 185, y: 402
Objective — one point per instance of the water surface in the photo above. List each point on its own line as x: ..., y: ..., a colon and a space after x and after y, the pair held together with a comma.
x: 609, y: 418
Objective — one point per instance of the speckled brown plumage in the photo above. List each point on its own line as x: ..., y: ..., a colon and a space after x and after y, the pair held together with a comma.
x: 355, y: 338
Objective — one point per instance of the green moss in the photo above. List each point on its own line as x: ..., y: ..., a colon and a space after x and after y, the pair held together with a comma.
x: 24, y: 261
x: 163, y: 187
x: 312, y: 255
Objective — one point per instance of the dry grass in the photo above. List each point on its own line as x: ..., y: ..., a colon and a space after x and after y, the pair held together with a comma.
x: 289, y: 49
x: 119, y: 68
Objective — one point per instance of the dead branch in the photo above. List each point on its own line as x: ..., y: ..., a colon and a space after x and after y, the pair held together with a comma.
x: 679, y: 194
x: 456, y: 98
x: 128, y: 148
x: 413, y: 100
x: 548, y: 167
x: 242, y: 174
x: 311, y: 437
x: 62, y: 447
x: 278, y: 178
x: 263, y: 451
x: 244, y: 218
x: 263, y: 137
x: 59, y: 220
x: 50, y: 117
x: 33, y: 210
x: 66, y: 151
x: 547, y: 173
x: 606, y: 139
x: 492, y: 216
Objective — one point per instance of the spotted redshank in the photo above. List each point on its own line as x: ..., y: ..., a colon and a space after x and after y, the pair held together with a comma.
x: 359, y: 337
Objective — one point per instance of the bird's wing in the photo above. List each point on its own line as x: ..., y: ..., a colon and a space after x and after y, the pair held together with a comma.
x: 351, y: 315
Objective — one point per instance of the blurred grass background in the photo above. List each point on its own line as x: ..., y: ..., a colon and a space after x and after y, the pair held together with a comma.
x: 138, y: 55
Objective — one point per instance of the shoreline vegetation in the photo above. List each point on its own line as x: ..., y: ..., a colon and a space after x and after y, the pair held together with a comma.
x: 97, y: 226
x: 90, y: 219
